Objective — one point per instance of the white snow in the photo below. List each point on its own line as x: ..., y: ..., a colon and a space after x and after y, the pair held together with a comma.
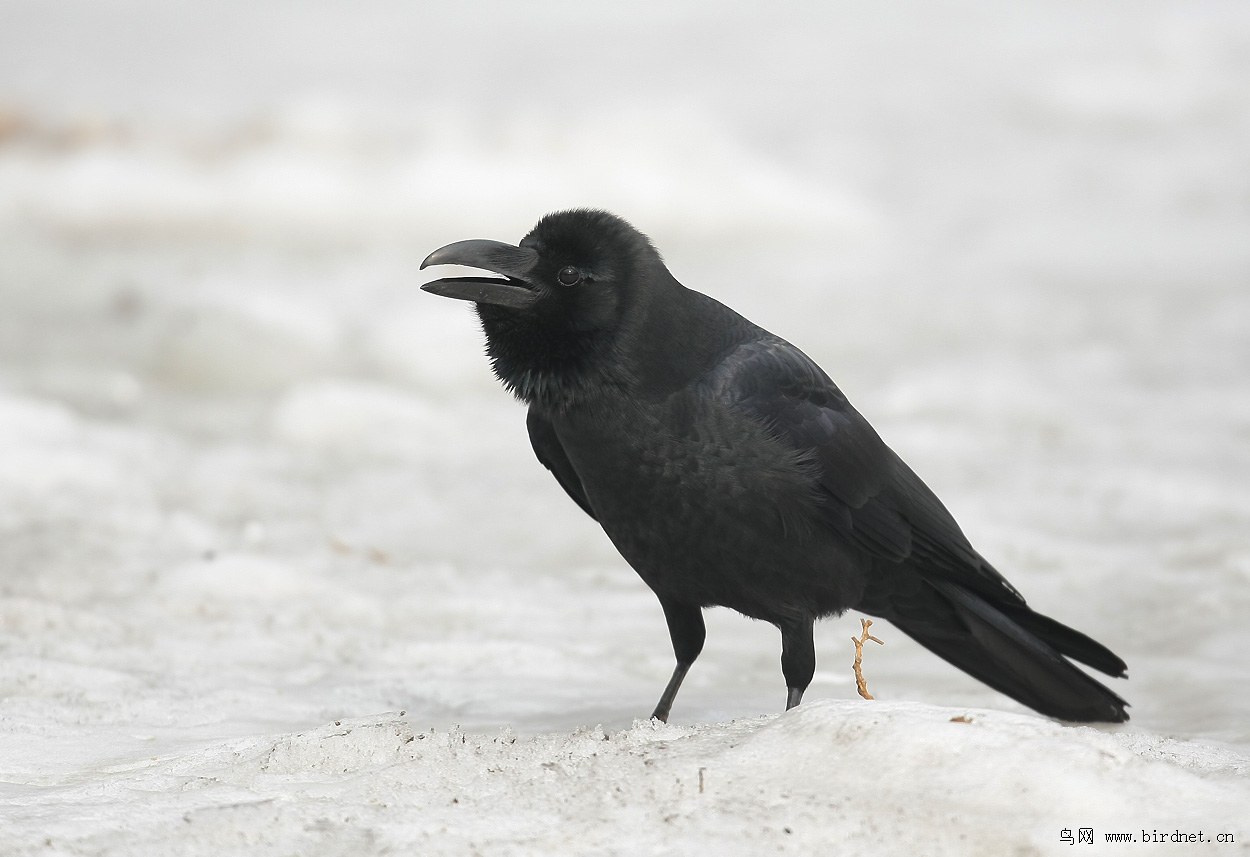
x: 278, y: 571
x: 830, y: 774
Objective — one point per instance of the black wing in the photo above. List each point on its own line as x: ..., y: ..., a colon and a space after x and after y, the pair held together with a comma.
x: 549, y: 451
x: 874, y: 499
x: 962, y: 609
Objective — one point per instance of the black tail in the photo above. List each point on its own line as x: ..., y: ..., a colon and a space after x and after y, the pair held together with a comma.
x: 1018, y: 652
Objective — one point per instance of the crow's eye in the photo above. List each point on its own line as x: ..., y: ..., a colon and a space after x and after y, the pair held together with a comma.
x: 569, y: 276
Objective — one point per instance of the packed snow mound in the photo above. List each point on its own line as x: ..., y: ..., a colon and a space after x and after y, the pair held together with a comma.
x: 851, y: 775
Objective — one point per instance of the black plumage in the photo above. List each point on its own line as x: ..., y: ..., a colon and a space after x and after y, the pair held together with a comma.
x: 728, y: 469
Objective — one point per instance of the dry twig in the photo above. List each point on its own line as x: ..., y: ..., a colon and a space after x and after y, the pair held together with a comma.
x: 860, y: 684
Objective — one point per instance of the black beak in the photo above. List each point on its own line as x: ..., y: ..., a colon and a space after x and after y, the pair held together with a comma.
x: 514, y: 263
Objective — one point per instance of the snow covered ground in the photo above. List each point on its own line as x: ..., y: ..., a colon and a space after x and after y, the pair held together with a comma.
x: 278, y: 574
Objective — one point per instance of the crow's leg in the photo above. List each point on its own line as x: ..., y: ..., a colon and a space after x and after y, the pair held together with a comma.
x: 798, y: 658
x: 685, y: 627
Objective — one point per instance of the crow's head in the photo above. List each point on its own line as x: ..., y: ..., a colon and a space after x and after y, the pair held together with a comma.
x: 564, y: 298
x: 575, y: 269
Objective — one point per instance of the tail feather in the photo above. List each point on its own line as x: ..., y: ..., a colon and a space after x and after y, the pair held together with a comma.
x: 1019, y: 653
x: 1069, y: 641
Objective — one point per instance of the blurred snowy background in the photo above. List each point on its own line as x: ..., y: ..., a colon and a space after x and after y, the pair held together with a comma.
x: 252, y: 480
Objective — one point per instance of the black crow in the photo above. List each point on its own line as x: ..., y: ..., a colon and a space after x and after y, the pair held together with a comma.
x: 729, y: 470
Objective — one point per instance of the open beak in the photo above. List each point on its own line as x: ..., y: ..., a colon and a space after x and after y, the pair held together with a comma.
x: 514, y: 263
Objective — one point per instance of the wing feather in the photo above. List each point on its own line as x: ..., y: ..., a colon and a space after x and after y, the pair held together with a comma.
x: 873, y: 498
x: 551, y: 453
